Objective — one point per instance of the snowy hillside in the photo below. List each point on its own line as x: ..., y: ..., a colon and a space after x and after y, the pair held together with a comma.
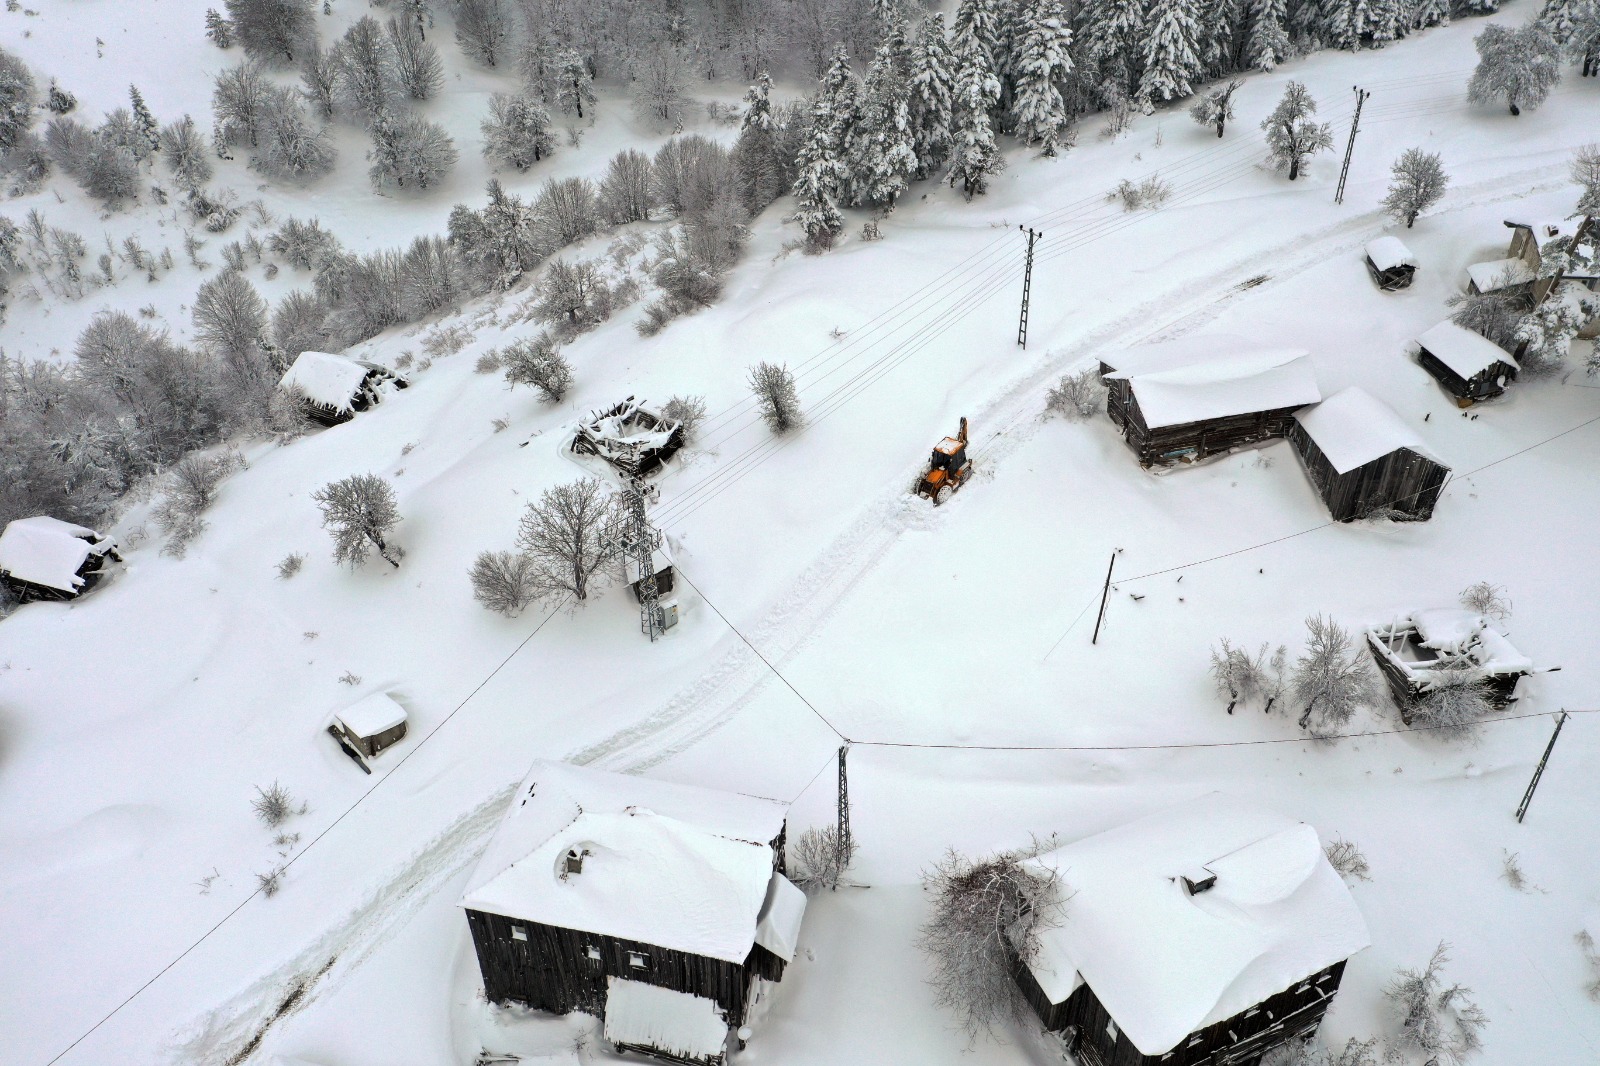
x: 822, y: 603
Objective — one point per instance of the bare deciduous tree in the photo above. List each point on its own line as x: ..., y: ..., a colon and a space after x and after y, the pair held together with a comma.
x: 190, y: 488
x: 775, y: 394
x: 537, y: 361
x: 561, y: 535
x: 1344, y: 856
x: 625, y: 190
x: 821, y: 858
x: 687, y: 411
x: 1456, y: 701
x: 564, y: 212
x: 504, y: 581
x: 482, y: 29
x: 1332, y: 677
x: 1076, y: 396
x: 1293, y: 136
x: 658, y: 89
x: 360, y: 511
x: 1440, y: 1021
x: 517, y: 131
x: 416, y: 62
x: 273, y: 30
x: 1239, y: 677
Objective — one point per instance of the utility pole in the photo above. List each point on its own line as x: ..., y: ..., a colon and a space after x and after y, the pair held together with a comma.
x: 633, y: 537
x: 1538, y: 771
x: 1027, y: 286
x: 1349, y: 148
x: 1104, y: 592
x: 847, y: 846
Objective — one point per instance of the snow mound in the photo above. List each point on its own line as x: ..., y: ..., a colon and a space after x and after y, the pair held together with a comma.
x: 1462, y: 350
x: 681, y: 1024
x: 1197, y: 378
x: 329, y: 380
x: 1353, y: 428
x: 47, y: 551
x: 1166, y: 964
x: 778, y: 929
x: 1388, y: 252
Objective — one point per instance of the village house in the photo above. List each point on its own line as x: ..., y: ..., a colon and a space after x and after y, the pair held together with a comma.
x: 1390, y: 263
x: 1417, y: 651
x: 1469, y: 366
x: 1518, y: 272
x: 44, y: 558
x: 1364, y: 460
x: 635, y: 440
x: 662, y: 908
x: 1186, y: 399
x: 1199, y: 936
x: 335, y: 389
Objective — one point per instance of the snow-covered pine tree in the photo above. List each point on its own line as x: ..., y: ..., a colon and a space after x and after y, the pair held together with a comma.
x: 1111, y: 34
x: 1305, y: 24
x: 932, y: 84
x: 823, y: 177
x: 1037, y: 110
x: 145, y: 123
x: 758, y: 105
x: 1170, y: 58
x: 1561, y: 18
x: 1520, y: 66
x: 1584, y: 48
x: 218, y: 29
x: 1419, y: 182
x: 976, y: 91
x: 1221, y: 23
x: 879, y: 153
x: 1292, y: 135
x: 1424, y: 13
x: 981, y: 19
x: 1215, y: 108
x: 755, y: 154
x: 1477, y: 7
x: 1268, y: 43
x: 575, y: 84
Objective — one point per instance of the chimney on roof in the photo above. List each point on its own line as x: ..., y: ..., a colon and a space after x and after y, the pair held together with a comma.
x: 574, y: 861
x: 1198, y: 880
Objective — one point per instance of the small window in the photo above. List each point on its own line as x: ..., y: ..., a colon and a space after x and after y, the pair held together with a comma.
x: 1111, y: 1030
x: 518, y: 933
x: 594, y: 953
x: 638, y: 960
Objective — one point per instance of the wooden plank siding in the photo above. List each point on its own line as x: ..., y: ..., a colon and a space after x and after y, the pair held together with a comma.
x: 1402, y: 481
x: 1191, y: 441
x: 1241, y: 1040
x: 1484, y: 385
x: 1398, y: 277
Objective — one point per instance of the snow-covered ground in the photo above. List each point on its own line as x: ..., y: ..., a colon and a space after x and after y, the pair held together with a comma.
x: 136, y: 724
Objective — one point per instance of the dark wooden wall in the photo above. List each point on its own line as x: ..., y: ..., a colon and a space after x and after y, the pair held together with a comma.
x: 1481, y: 386
x: 1402, y: 480
x: 1191, y: 441
x: 1297, y: 1011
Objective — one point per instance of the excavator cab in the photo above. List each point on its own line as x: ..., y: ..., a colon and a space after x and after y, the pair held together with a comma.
x: 948, y: 469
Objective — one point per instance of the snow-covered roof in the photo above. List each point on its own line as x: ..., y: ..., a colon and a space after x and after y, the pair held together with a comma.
x: 1499, y: 274
x: 373, y: 714
x: 778, y: 929
x: 1448, y: 628
x: 666, y: 864
x: 1388, y: 252
x: 1353, y: 427
x: 48, y: 551
x: 1462, y: 350
x: 679, y: 1023
x: 1165, y: 963
x: 1192, y: 379
x: 1497, y: 655
x: 329, y: 380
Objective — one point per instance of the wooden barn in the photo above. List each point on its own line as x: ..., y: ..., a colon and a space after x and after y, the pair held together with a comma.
x: 1470, y: 367
x: 1364, y: 460
x: 43, y: 558
x: 1390, y: 263
x: 1187, y: 399
x: 1414, y: 652
x: 662, y: 908
x: 635, y: 440
x: 335, y: 389
x: 1200, y: 936
x: 368, y: 726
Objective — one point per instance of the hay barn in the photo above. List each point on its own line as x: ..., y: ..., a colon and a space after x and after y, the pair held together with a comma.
x: 44, y: 558
x: 1390, y: 263
x: 1364, y: 460
x: 335, y: 389
x: 1470, y: 367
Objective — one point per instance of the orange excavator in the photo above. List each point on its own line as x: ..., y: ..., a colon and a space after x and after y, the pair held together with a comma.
x: 949, y: 468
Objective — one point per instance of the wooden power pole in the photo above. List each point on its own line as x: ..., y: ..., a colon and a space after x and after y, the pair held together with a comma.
x: 1350, y: 146
x: 1538, y: 771
x: 1027, y: 285
x: 1104, y: 592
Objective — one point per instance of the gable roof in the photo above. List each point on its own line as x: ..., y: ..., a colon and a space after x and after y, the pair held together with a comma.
x: 1166, y: 964
x: 1497, y: 274
x: 1196, y: 378
x: 330, y: 380
x: 1354, y: 428
x: 671, y: 865
x: 1388, y: 252
x: 1462, y: 350
x: 47, y: 551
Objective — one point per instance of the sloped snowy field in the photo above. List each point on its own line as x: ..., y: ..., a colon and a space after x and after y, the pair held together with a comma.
x: 135, y: 724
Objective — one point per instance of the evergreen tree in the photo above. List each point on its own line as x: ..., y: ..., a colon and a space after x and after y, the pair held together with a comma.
x: 823, y: 176
x: 982, y: 20
x: 1112, y: 34
x: 1218, y: 43
x: 1563, y: 17
x: 219, y: 29
x: 1584, y: 47
x: 755, y: 155
x: 758, y: 105
x: 1425, y: 13
x: 1043, y: 60
x: 1268, y: 44
x: 879, y: 154
x: 149, y: 129
x: 1293, y: 136
x: 575, y: 85
x: 1170, y: 60
x: 932, y: 89
x: 976, y: 92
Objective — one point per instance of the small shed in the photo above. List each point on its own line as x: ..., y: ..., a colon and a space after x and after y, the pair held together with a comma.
x: 1510, y: 275
x: 44, y: 558
x: 596, y: 884
x: 335, y: 389
x: 634, y: 439
x: 1415, y: 651
x: 1390, y: 263
x: 1363, y: 459
x: 1469, y: 366
x: 1187, y: 399
x: 1206, y: 934
x: 369, y: 725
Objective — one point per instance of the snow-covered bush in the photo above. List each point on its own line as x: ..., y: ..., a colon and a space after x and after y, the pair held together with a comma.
x: 776, y: 397
x: 69, y: 143
x: 290, y: 565
x: 1585, y: 942
x: 110, y: 172
x: 985, y: 913
x: 275, y: 805
x: 304, y: 244
x: 1487, y: 599
x: 27, y: 164
x: 273, y: 30
x: 1344, y: 856
x: 1512, y: 873
x: 821, y: 858
x: 1517, y: 66
x: 688, y: 412
x: 561, y: 534
x: 1297, y: 1053
x: 1148, y: 194
x: 537, y: 361
x: 1239, y: 677
x: 1455, y: 702
x: 1215, y: 108
x: 517, y: 132
x: 188, y: 491
x: 1544, y: 335
x: 1418, y: 182
x: 290, y: 146
x: 1076, y: 396
x: 1440, y: 1022
x: 504, y: 581
x: 17, y: 92
x: 269, y: 884
x: 573, y: 296
x: 1293, y: 136
x: 625, y: 192
x: 1332, y: 678
x: 488, y: 363
x: 360, y: 511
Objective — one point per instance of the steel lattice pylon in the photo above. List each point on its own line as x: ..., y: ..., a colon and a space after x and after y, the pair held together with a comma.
x: 633, y: 537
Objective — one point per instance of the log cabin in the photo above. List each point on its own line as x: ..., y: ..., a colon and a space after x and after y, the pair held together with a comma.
x: 334, y: 389
x: 1187, y: 399
x: 1469, y: 366
x: 1199, y: 936
x: 1364, y: 461
x: 661, y: 908
x: 44, y: 558
x: 1390, y: 263
x: 1415, y: 651
x: 631, y: 437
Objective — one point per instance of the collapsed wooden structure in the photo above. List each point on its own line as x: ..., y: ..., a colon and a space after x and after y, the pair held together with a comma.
x: 334, y: 389
x: 661, y: 908
x: 1471, y: 367
x: 1187, y: 399
x: 634, y: 439
x: 44, y: 558
x: 1419, y: 651
x: 1390, y: 263
x: 1199, y: 936
x: 1364, y: 461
